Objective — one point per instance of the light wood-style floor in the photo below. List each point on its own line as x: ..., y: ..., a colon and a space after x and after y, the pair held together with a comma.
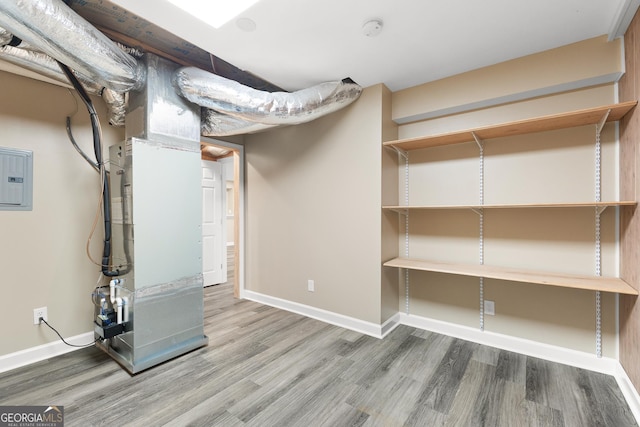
x: 267, y: 367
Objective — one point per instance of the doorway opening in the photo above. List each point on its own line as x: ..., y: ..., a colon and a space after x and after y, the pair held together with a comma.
x: 223, y: 213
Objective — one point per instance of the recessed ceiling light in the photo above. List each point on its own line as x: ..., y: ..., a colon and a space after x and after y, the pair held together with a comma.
x: 246, y: 24
x: 214, y: 12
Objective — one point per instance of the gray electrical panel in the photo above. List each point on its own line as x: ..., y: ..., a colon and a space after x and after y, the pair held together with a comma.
x: 16, y: 179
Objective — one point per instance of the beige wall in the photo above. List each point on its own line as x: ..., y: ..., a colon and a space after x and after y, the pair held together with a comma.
x: 544, y: 167
x: 42, y: 255
x: 583, y: 64
x: 313, y: 210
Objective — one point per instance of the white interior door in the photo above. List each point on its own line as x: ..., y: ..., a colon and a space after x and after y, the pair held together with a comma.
x: 214, y: 257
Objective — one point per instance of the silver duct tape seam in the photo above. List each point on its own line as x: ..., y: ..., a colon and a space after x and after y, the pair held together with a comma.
x: 217, y: 124
x: 5, y: 37
x: 179, y: 285
x: 271, y: 108
x: 116, y: 105
x: 58, y: 31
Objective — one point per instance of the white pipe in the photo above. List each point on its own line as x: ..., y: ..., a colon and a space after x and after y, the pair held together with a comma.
x: 119, y: 310
x: 112, y: 290
x: 117, y: 302
x: 103, y: 305
x: 125, y: 308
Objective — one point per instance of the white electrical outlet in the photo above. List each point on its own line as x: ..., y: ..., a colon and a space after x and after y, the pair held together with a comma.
x: 311, y: 286
x: 489, y: 308
x: 38, y: 313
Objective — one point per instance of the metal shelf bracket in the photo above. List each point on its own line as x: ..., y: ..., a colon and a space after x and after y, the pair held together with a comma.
x: 602, y: 121
x: 400, y: 151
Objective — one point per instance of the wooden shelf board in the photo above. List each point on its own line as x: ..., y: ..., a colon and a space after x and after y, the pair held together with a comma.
x: 400, y: 208
x: 537, y: 124
x: 604, y: 284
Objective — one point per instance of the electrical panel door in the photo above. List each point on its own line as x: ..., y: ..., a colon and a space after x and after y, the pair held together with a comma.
x: 16, y: 179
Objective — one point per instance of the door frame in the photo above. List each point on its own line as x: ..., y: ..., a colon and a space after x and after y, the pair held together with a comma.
x: 217, y: 208
x: 239, y: 211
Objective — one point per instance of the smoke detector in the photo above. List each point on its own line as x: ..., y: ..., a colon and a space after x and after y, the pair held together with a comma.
x: 372, y: 28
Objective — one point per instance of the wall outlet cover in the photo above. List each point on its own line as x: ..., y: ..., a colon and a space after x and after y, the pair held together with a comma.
x: 489, y: 308
x: 38, y: 313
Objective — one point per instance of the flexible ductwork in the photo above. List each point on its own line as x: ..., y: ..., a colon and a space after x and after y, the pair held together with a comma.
x: 8, y: 39
x: 62, y: 34
x: 270, y: 108
x: 44, y: 65
x: 5, y: 37
x: 229, y: 108
x: 38, y: 62
x: 217, y: 124
x: 116, y: 106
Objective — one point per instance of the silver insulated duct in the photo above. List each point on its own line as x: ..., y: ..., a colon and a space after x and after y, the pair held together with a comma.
x: 5, y: 37
x: 268, y: 108
x: 62, y: 34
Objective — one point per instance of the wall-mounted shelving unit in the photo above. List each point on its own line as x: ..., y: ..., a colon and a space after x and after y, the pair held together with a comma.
x: 403, y: 209
x: 593, y: 283
x: 610, y: 113
x: 592, y: 116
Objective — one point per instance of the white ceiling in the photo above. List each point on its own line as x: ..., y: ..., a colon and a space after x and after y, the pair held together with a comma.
x: 299, y: 43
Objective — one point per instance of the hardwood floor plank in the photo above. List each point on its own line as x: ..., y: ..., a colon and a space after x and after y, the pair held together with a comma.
x: 512, y: 367
x: 476, y: 378
x: 544, y: 416
x: 538, y: 381
x: 442, y: 387
x: 513, y: 408
x: 610, y: 402
x: 389, y: 402
x: 211, y: 411
x: 343, y: 415
x: 422, y: 416
x: 487, y: 355
x: 307, y: 390
x: 297, y: 352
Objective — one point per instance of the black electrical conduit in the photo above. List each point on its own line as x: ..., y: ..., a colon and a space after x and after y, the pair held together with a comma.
x: 97, y: 148
x: 78, y: 149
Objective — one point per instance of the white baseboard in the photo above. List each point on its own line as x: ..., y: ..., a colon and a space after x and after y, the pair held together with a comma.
x: 544, y: 351
x: 505, y: 342
x: 392, y: 323
x: 628, y: 391
x: 367, y: 328
x: 42, y: 352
